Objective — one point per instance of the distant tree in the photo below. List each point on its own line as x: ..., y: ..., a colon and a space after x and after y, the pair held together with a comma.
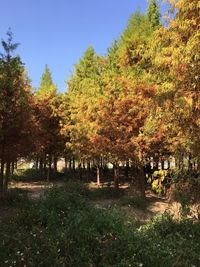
x: 49, y: 141
x: 153, y: 14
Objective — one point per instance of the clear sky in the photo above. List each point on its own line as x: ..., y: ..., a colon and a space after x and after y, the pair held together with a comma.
x: 57, y: 32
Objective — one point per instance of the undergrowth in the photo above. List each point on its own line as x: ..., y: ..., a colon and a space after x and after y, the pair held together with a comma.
x: 64, y: 229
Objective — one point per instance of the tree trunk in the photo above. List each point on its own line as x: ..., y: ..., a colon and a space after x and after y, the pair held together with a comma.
x: 2, y: 175
x: 73, y: 164
x: 162, y: 165
x: 116, y: 175
x: 70, y: 164
x: 142, y: 182
x: 12, y: 167
x: 37, y: 162
x: 189, y: 162
x: 127, y: 169
x: 49, y: 167
x: 168, y: 164
x: 55, y: 161
x: 6, y: 178
x: 45, y: 166
x: 98, y: 176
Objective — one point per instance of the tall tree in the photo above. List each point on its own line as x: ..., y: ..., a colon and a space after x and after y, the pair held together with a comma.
x: 153, y: 14
x: 15, y: 109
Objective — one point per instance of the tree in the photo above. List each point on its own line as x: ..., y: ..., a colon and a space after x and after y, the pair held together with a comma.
x: 175, y: 53
x: 15, y: 109
x: 153, y: 14
x: 49, y: 138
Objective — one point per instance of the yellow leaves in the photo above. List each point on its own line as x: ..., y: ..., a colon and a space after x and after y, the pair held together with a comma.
x: 189, y: 100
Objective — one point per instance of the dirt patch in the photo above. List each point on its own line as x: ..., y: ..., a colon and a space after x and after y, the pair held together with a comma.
x: 34, y: 189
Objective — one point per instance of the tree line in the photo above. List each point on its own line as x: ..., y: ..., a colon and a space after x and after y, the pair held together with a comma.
x: 139, y: 101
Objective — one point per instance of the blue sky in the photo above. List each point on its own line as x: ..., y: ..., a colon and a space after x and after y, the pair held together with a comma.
x: 57, y: 32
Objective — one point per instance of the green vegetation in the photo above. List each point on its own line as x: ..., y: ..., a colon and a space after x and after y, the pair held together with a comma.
x: 64, y: 229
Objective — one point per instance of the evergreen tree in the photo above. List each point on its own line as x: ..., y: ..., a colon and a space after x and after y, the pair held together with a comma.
x: 47, y: 87
x: 15, y: 111
x: 153, y: 14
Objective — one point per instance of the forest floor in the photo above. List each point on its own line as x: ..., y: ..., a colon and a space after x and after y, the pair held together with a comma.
x: 154, y: 205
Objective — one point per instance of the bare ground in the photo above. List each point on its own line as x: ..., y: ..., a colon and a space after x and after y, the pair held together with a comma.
x: 156, y: 205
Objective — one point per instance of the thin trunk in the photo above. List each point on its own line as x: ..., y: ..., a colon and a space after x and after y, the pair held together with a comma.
x: 98, y: 176
x: 49, y: 167
x: 16, y: 165
x: 189, y: 162
x: 2, y: 175
x: 45, y: 166
x: 127, y: 169
x: 142, y: 182
x: 66, y: 163
x: 83, y: 164
x: 70, y: 164
x: 88, y: 166
x: 55, y: 161
x: 168, y: 164
x: 73, y: 164
x: 162, y: 165
x: 6, y: 178
x: 12, y: 167
x: 37, y: 162
x: 41, y: 167
x: 116, y: 175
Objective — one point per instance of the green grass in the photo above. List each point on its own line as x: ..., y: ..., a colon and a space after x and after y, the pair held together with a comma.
x: 64, y: 229
x: 106, y: 193
x: 33, y: 175
x: 134, y: 201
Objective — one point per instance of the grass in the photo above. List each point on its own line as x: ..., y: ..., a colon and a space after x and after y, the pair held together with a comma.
x: 64, y: 229
x: 32, y: 175
x: 134, y: 201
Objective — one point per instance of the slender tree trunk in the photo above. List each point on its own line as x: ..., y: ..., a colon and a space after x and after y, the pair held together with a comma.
x: 12, y: 167
x: 16, y: 165
x: 55, y: 161
x: 116, y: 175
x: 142, y: 182
x: 157, y: 165
x: 83, y: 162
x: 80, y: 170
x: 168, y: 164
x: 37, y: 162
x: 162, y: 164
x: 74, y: 164
x: 198, y: 164
x: 189, y: 162
x: 70, y: 164
x: 98, y: 176
x: 66, y: 163
x: 88, y: 166
x: 49, y: 167
x: 45, y: 165
x: 41, y: 165
x: 2, y: 175
x: 127, y: 169
x: 6, y: 178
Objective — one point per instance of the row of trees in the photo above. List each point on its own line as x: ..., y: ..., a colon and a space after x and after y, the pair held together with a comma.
x: 139, y: 101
